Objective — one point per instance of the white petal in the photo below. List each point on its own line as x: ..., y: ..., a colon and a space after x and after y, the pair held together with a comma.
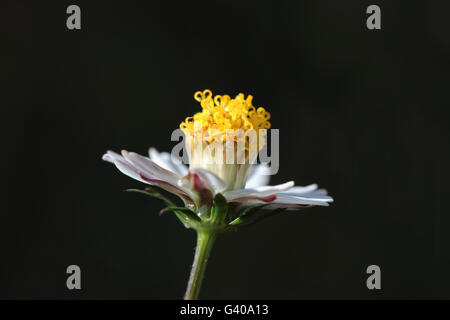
x: 306, y: 191
x: 211, y: 180
x: 301, y: 190
x: 148, y: 167
x: 107, y: 157
x: 303, y: 200
x: 258, y: 176
x: 127, y: 169
x: 164, y: 160
x: 110, y: 156
x: 258, y: 191
x: 318, y: 192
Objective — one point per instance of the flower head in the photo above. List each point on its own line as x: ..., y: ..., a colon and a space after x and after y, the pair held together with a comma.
x: 236, y: 184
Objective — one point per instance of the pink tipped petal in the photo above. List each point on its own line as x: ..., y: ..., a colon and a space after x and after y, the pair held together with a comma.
x: 165, y: 160
x: 197, y: 182
x: 135, y: 167
x: 168, y: 187
x: 193, y: 181
x: 147, y: 166
x: 263, y: 199
x: 128, y: 170
x: 210, y: 180
x: 258, y: 191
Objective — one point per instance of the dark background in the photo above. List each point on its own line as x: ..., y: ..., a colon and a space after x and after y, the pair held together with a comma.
x: 363, y: 113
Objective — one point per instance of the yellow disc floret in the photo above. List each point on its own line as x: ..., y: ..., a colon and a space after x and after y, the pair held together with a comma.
x: 223, y: 113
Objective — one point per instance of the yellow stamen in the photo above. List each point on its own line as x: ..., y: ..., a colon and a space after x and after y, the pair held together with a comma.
x: 223, y: 113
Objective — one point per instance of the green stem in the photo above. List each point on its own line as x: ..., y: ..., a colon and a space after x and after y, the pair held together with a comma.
x: 205, y: 242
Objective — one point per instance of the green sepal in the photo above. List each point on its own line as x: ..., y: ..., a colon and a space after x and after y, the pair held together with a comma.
x: 218, y: 210
x: 246, y: 215
x: 154, y: 194
x: 187, y: 217
x: 182, y: 210
x: 252, y: 215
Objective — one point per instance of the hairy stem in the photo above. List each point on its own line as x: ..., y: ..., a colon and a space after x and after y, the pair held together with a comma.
x: 205, y: 242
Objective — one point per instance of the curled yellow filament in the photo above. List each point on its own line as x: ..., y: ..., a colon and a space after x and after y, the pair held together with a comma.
x: 223, y: 113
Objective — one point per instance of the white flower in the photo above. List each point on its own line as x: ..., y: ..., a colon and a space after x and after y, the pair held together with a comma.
x: 198, y: 186
x: 222, y: 143
x: 223, y: 189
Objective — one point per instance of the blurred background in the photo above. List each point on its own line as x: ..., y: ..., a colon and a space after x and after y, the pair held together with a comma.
x: 363, y: 113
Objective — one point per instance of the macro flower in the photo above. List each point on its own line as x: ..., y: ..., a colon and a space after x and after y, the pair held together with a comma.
x: 223, y: 188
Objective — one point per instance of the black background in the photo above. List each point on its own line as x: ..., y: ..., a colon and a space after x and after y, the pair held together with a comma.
x: 363, y: 113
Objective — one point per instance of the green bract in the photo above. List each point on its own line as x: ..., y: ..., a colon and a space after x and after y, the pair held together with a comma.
x: 223, y: 216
